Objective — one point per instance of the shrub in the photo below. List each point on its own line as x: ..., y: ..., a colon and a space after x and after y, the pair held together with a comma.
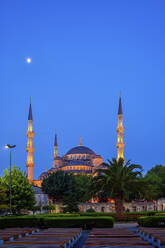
x: 58, y: 215
x: 152, y: 221
x: 46, y: 222
x: 91, y: 210
x: 71, y: 208
x: 35, y: 209
x: 49, y: 207
x: 23, y: 221
x: 146, y: 213
x: 160, y: 214
x: 96, y: 214
x: 84, y: 222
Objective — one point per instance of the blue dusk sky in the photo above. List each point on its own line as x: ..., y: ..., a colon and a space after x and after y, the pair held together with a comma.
x: 83, y: 53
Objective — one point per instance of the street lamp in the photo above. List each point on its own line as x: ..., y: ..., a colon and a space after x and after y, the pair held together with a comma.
x: 10, y: 147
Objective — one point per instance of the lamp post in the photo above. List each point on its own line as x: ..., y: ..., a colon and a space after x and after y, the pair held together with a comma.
x: 10, y: 147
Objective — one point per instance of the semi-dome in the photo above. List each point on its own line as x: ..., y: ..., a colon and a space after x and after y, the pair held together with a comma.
x: 58, y: 158
x: 80, y: 150
x: 43, y: 174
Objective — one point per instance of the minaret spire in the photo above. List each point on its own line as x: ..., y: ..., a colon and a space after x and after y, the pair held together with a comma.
x: 30, y: 147
x: 80, y: 142
x: 55, y: 154
x: 120, y: 111
x: 120, y: 129
x: 30, y: 117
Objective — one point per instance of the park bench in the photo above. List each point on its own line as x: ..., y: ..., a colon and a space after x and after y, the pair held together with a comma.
x: 14, y: 233
x: 57, y: 238
x: 155, y: 236
x: 114, y: 237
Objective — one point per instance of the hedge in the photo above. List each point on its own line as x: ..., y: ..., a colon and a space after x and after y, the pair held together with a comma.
x: 57, y: 215
x: 97, y: 214
x: 160, y: 214
x: 152, y: 221
x: 112, y: 214
x: 84, y: 222
x: 67, y: 222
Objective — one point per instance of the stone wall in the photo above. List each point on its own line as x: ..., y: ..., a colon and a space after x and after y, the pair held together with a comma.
x: 160, y: 204
x: 134, y: 206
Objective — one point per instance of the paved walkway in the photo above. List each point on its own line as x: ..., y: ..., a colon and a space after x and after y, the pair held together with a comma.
x: 82, y: 239
x: 125, y: 225
x: 131, y: 226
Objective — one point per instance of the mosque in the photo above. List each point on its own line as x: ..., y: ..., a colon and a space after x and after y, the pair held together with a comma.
x: 79, y: 159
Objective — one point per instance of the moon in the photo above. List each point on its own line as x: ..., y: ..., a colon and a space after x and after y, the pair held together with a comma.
x: 28, y: 60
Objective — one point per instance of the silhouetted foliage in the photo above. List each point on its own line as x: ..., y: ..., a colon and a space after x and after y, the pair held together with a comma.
x: 156, y: 181
x: 68, y: 188
x: 22, y: 192
x: 118, y: 181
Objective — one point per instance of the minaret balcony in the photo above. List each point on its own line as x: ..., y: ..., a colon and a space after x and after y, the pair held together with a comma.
x: 30, y: 134
x: 120, y: 129
x: 30, y: 149
x: 120, y: 145
x: 30, y: 164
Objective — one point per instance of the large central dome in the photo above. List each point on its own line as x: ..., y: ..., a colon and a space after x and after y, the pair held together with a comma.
x: 80, y: 150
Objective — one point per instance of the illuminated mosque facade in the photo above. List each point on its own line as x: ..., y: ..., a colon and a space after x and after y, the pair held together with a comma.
x: 79, y: 159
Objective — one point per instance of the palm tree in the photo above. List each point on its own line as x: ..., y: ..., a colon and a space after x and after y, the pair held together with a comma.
x: 118, y: 181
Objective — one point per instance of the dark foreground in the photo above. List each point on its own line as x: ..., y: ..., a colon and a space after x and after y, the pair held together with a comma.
x: 119, y: 236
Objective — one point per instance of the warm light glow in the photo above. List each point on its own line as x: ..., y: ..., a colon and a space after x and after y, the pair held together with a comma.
x: 6, y: 146
x: 163, y: 206
x: 28, y: 60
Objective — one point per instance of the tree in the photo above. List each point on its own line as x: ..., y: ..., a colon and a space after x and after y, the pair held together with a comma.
x: 70, y: 201
x: 35, y: 209
x: 61, y: 186
x: 156, y: 180
x: 118, y: 181
x: 56, y: 184
x: 83, y: 187
x: 22, y: 192
x: 3, y: 198
x: 68, y: 188
x: 49, y: 208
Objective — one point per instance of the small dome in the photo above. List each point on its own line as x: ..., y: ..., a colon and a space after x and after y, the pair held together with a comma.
x: 57, y: 158
x: 43, y: 174
x: 98, y: 156
x: 52, y: 169
x: 80, y: 150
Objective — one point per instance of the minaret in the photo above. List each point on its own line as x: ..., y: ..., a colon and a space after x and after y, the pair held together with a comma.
x: 57, y: 160
x: 55, y: 154
x: 120, y: 129
x: 30, y: 147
